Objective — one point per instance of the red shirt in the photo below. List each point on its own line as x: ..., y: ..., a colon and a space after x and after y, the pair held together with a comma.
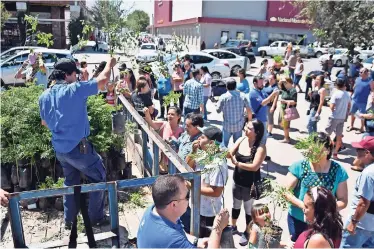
x: 306, y: 236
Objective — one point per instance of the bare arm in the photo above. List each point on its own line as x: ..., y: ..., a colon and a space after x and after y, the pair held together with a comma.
x: 318, y: 241
x: 270, y: 98
x: 211, y: 191
x: 321, y: 101
x: 332, y: 107
x: 252, y: 237
x: 291, y: 183
x: 342, y: 195
x: 235, y: 147
x: 249, y: 113
x: 156, y: 125
x: 104, y: 76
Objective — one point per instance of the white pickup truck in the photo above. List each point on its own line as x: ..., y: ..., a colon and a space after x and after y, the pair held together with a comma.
x: 279, y: 48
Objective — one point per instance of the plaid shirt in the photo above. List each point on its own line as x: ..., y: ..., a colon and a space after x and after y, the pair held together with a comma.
x: 193, y: 92
x: 232, y: 104
x: 184, y: 144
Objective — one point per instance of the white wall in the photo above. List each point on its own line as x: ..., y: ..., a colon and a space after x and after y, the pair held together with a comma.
x: 248, y: 10
x: 186, y: 9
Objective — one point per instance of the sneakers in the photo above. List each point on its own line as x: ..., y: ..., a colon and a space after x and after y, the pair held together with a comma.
x: 244, y: 239
x: 234, y: 230
x: 342, y: 148
x: 270, y: 135
x: 267, y: 158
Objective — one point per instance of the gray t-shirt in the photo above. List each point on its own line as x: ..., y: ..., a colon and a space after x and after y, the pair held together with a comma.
x: 364, y: 187
x: 341, y: 100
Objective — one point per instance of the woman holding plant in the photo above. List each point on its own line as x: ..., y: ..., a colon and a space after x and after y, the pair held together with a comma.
x: 315, y: 170
x: 246, y: 155
x: 177, y: 82
x: 288, y: 99
x: 325, y: 222
x: 168, y: 130
x: 317, y: 98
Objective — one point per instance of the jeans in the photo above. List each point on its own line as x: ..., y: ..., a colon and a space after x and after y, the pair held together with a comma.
x: 205, y: 110
x: 362, y: 239
x: 265, y: 137
x: 91, y: 165
x: 186, y: 220
x: 312, y: 123
x: 292, y: 74
x: 295, y: 227
x: 189, y: 110
x: 227, y: 135
x: 297, y: 79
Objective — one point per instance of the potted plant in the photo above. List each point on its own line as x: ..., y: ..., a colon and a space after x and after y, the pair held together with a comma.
x: 271, y: 233
x: 44, y: 203
x: 278, y: 61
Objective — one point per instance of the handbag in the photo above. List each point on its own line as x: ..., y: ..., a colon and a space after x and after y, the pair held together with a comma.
x: 291, y: 113
x: 260, y: 188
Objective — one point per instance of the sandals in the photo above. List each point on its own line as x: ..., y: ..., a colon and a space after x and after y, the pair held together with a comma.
x: 359, y: 132
x: 349, y: 128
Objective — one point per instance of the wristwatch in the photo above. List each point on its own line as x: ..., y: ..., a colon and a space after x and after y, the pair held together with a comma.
x: 195, y: 241
x: 354, y: 221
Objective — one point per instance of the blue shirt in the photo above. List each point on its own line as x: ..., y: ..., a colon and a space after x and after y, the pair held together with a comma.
x: 308, y: 179
x: 158, y: 232
x: 361, y: 91
x: 64, y: 108
x: 187, y: 75
x: 232, y: 104
x: 269, y: 90
x: 255, y: 99
x: 243, y: 86
x: 184, y: 144
x: 193, y: 92
x: 364, y: 187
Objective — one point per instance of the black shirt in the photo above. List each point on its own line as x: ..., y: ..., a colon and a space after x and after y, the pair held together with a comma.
x: 245, y: 178
x: 141, y: 100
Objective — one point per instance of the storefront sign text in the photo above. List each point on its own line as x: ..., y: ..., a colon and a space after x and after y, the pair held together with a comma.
x: 289, y: 20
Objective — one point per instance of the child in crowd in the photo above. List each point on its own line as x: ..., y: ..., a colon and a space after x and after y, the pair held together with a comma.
x: 84, y: 72
x: 111, y: 94
x: 260, y: 218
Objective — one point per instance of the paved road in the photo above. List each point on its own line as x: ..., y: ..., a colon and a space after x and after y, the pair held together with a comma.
x: 283, y: 155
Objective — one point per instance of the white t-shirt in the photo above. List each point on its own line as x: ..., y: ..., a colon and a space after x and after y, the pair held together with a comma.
x: 207, y: 79
x: 216, y: 176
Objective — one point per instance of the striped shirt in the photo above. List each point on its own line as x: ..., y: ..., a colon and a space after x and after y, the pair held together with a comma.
x: 194, y: 94
x: 232, y: 104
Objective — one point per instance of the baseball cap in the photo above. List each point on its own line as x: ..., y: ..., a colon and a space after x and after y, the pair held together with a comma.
x: 67, y: 66
x: 212, y: 133
x: 122, y: 67
x: 367, y: 144
x: 101, y: 66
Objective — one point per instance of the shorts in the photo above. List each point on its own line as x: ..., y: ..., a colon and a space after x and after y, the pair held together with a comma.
x: 281, y: 121
x: 335, y: 125
x: 361, y: 107
x: 270, y: 117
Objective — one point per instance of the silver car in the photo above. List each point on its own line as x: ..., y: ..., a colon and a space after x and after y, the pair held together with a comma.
x: 10, y: 66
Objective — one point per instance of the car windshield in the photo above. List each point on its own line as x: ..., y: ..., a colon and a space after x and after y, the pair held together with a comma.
x: 9, y: 54
x: 150, y: 47
x: 232, y: 44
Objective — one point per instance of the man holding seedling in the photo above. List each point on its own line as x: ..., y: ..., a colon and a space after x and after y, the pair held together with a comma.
x: 63, y: 109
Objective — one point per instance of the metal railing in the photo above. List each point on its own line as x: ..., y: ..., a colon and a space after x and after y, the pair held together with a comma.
x: 150, y: 160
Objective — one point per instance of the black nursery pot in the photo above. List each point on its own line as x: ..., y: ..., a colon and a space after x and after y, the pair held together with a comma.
x: 271, y: 240
x: 45, y: 163
x: 25, y: 177
x: 14, y: 175
x: 5, y: 178
x: 43, y: 203
x: 59, y: 203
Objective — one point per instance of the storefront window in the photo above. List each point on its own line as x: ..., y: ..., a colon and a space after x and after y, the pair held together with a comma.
x: 240, y: 35
x: 254, y: 38
x: 224, y: 36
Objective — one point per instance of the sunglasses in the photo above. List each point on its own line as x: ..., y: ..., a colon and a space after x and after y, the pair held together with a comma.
x: 363, y: 72
x: 185, y: 198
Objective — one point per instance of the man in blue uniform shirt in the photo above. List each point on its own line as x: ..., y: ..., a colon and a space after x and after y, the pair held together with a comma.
x: 161, y: 227
x: 63, y: 109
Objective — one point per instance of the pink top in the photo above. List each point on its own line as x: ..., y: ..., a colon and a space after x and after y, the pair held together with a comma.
x: 177, y: 83
x: 167, y: 132
x: 111, y: 98
x: 304, y: 237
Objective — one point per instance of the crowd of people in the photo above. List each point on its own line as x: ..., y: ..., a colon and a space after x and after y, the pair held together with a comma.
x: 319, y: 189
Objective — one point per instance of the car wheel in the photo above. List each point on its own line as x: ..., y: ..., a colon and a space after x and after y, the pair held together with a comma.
x: 235, y: 69
x: 100, y: 50
x: 263, y: 54
x: 318, y: 54
x: 216, y: 75
x: 339, y: 63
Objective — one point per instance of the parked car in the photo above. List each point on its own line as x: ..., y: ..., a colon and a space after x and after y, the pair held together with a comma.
x: 341, y: 58
x: 90, y: 46
x: 235, y: 61
x: 10, y: 66
x: 235, y: 43
x: 15, y: 50
x: 279, y: 48
x: 322, y: 50
x: 147, y: 53
x: 218, y: 68
x: 369, y: 50
x: 368, y: 63
x: 250, y: 55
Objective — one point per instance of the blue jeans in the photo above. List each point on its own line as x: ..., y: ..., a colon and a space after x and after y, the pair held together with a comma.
x: 297, y: 79
x: 295, y: 227
x: 227, y: 135
x: 312, y: 124
x: 292, y: 74
x: 189, y: 110
x: 265, y: 137
x: 91, y: 165
x: 361, y: 239
x: 205, y: 110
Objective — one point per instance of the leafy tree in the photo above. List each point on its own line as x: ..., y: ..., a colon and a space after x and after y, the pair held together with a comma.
x: 4, y: 14
x: 105, y: 13
x: 76, y: 28
x: 138, y: 20
x: 345, y: 23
